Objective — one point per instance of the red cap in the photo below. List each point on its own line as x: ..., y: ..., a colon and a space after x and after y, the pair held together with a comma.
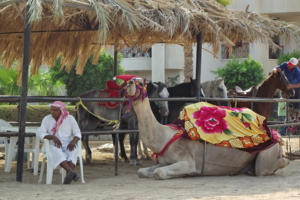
x: 126, y: 77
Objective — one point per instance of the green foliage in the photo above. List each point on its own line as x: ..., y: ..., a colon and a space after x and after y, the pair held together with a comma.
x: 225, y: 2
x: 34, y: 113
x: 93, y: 76
x: 171, y: 81
x: 286, y: 57
x: 44, y: 85
x: 242, y: 73
x: 8, y: 82
x: 41, y: 85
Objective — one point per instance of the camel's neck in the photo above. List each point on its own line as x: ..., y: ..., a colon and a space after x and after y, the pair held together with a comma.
x: 152, y: 133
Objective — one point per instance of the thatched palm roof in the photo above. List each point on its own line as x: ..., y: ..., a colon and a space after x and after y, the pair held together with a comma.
x: 76, y: 29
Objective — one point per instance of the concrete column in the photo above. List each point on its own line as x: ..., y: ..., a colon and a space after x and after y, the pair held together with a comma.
x: 158, y: 64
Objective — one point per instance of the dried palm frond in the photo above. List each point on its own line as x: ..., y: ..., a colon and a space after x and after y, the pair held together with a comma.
x: 76, y: 29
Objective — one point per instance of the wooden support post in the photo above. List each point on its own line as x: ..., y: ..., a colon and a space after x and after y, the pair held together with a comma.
x: 198, y: 65
x: 23, y: 97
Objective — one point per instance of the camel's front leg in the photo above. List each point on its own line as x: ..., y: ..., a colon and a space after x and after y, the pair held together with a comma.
x: 148, y: 171
x: 179, y: 169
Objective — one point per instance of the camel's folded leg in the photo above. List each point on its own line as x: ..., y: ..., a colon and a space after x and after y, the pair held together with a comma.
x: 140, y: 150
x: 179, y: 169
x: 145, y: 148
x: 268, y: 161
x: 148, y: 171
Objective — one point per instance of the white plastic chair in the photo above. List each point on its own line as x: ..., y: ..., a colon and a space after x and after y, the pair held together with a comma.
x: 4, y: 142
x: 35, y: 149
x: 49, y: 165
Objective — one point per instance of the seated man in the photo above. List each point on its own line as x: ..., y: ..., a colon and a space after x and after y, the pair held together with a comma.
x: 63, y: 132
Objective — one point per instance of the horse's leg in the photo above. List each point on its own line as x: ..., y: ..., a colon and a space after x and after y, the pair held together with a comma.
x: 83, y: 122
x: 270, y: 160
x: 122, y: 147
x: 88, y: 152
x: 134, y: 140
x: 121, y: 142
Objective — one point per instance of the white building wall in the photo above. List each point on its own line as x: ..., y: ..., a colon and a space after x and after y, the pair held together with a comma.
x: 158, y: 65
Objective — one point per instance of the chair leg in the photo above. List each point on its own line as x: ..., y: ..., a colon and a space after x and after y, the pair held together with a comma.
x: 6, y: 152
x: 49, y: 173
x: 42, y: 171
x: 81, y: 170
x: 63, y: 174
x: 35, y: 161
x: 11, y: 150
x: 28, y: 160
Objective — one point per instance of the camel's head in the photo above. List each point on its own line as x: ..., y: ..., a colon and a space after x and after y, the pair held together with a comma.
x: 135, y: 86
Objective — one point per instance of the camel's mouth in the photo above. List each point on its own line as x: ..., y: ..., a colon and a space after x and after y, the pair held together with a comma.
x: 131, y: 89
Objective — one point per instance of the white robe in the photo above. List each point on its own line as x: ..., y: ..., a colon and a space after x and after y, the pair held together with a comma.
x: 65, y: 133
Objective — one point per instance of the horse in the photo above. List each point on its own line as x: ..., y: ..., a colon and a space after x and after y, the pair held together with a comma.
x: 87, y: 121
x: 267, y: 89
x: 215, y: 89
x: 185, y: 157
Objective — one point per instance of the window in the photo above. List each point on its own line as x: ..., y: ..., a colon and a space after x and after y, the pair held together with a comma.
x: 278, y: 52
x: 134, y: 53
x: 240, y: 50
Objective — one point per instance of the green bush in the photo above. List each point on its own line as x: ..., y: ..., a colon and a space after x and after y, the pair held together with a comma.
x: 286, y: 57
x: 34, y: 113
x: 242, y: 73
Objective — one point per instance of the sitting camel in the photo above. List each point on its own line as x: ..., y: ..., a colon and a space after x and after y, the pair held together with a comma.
x: 185, y: 157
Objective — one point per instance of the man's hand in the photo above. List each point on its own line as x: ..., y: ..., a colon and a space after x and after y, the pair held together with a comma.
x: 289, y: 86
x: 57, y: 142
x: 71, y: 146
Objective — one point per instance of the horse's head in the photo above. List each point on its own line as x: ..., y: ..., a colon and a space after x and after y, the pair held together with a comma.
x: 159, y: 89
x: 193, y: 89
x: 216, y: 89
x: 281, y: 83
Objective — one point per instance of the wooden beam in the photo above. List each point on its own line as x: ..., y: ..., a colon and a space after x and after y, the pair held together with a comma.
x: 52, y: 31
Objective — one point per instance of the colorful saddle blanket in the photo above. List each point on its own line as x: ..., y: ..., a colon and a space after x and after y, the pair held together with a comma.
x: 112, y: 90
x: 225, y: 126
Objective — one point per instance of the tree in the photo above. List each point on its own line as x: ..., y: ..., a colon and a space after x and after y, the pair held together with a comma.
x: 242, y: 73
x: 93, y: 76
x: 286, y: 57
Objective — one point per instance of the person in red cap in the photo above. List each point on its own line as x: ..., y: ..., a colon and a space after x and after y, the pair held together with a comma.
x: 292, y: 72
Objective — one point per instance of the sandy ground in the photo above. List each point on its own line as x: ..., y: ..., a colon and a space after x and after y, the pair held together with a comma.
x: 101, y: 183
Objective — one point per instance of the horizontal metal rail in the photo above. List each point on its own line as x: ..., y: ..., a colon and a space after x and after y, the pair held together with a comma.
x: 4, y: 98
